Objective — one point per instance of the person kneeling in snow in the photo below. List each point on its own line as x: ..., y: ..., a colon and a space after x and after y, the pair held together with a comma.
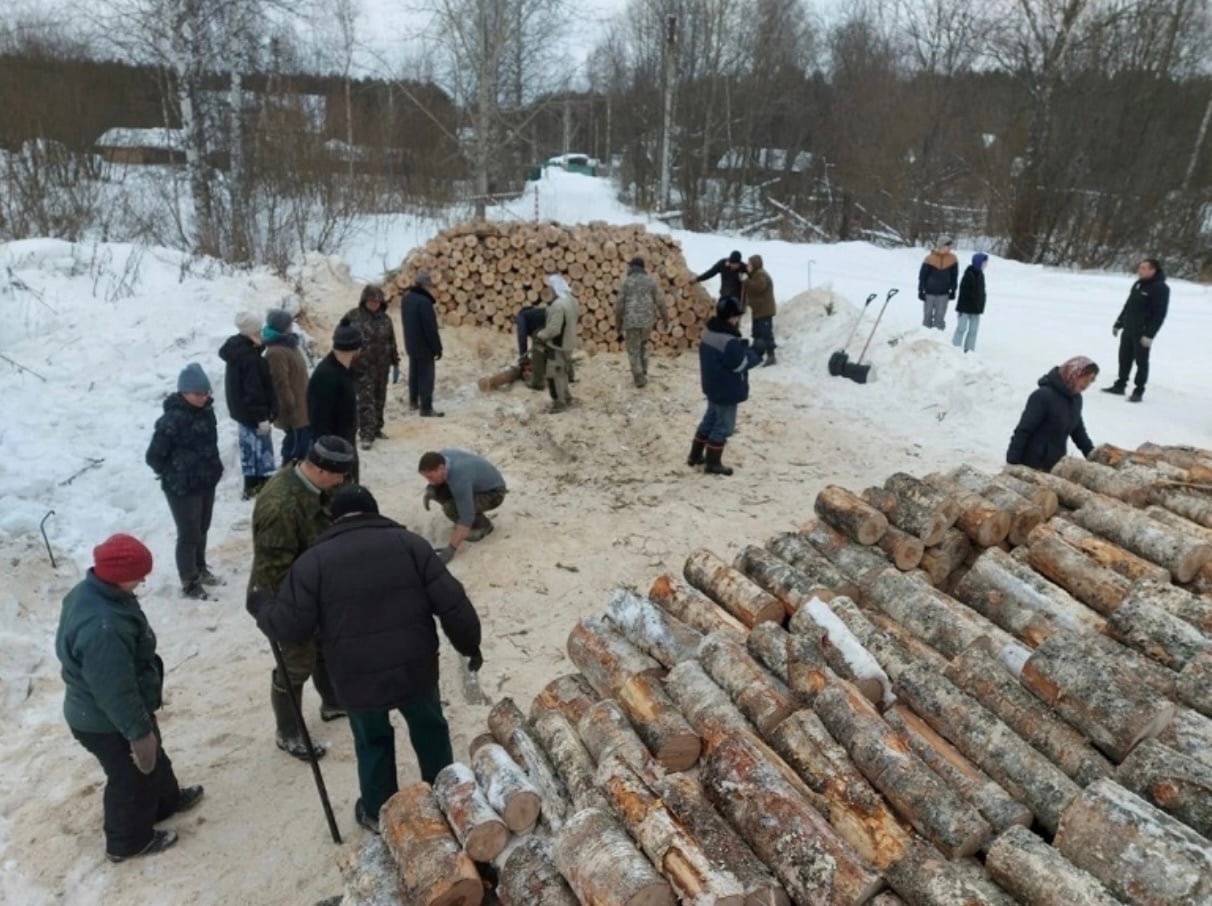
x: 725, y: 358
x: 1052, y: 416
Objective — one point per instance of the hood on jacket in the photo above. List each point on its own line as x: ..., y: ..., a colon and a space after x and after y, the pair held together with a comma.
x: 423, y: 290
x: 237, y: 345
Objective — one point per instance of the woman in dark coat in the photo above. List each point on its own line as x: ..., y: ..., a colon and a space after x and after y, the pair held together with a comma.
x: 1052, y: 416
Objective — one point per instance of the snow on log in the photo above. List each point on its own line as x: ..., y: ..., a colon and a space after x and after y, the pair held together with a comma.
x: 529, y: 877
x: 434, y: 870
x: 1024, y: 515
x: 570, y: 695
x: 1181, y: 554
x: 507, y: 788
x: 685, y: 799
x: 1073, y: 676
x: 768, y: 645
x: 780, y: 578
x: 659, y: 723
x: 885, y: 758
x: 1102, y: 480
x: 943, y: 559
x: 888, y: 652
x: 1157, y: 633
x: 854, y: 560
x: 603, y: 867
x: 661, y: 636
x: 1068, y: 493
x: 764, y: 700
x: 707, y: 706
x: 850, y: 515
x: 797, y: 550
x: 1140, y: 853
x: 1035, y: 873
x: 1001, y: 753
x: 978, y: 672
x: 606, y: 732
x: 815, y: 865
x: 1174, y: 782
x: 475, y: 824
x: 571, y: 760
x: 1178, y: 602
x: 858, y: 813
x: 846, y: 654
x: 974, y: 785
x: 1194, y: 686
x: 681, y: 601
x: 732, y: 590
x: 1190, y: 733
x: 1107, y: 553
x: 369, y: 875
x: 669, y: 845
x: 605, y: 658
x: 926, y: 879
x: 512, y: 731
x: 1096, y: 586
x: 907, y: 515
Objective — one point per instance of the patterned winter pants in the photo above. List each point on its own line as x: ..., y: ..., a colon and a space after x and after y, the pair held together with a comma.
x: 256, y: 453
x: 636, y: 340
x: 372, y: 395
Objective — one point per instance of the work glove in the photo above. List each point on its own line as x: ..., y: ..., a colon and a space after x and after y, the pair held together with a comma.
x: 475, y: 662
x: 143, y: 752
x: 1146, y: 342
x: 263, y: 428
x: 921, y: 296
x: 438, y: 357
x: 445, y: 554
x: 395, y: 373
x: 428, y: 497
x: 1115, y: 330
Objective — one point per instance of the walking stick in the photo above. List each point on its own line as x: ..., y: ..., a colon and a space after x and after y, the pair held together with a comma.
x: 311, y: 750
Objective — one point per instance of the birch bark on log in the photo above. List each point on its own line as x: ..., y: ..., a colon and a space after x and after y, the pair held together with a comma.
x: 1193, y: 609
x: 1069, y: 493
x: 890, y: 654
x: 507, y: 788
x: 1189, y: 733
x: 571, y: 760
x: 1155, y: 632
x: 764, y: 700
x: 732, y: 590
x: 1140, y: 853
x: 475, y: 824
x: 943, y: 559
x: 923, y: 497
x: 978, y: 518
x: 854, y: 560
x: 1071, y: 675
x: 858, y: 813
x: 904, y: 549
x: 1175, y: 521
x: 850, y: 515
x: 913, y: 648
x: 1032, y: 871
x: 513, y: 732
x: 768, y: 645
x: 707, y: 706
x: 669, y: 845
x: 992, y: 746
x: 1101, y: 479
x: 529, y: 877
x: 1100, y: 588
x: 1183, y: 556
x: 686, y: 801
x: 607, y: 733
x: 780, y: 578
x: 978, y: 672
x: 807, y: 671
x: 924, y: 878
x: 658, y: 722
x: 1194, y: 685
x: 369, y: 876
x: 815, y: 866
x: 662, y: 637
x: 1107, y: 553
x: 503, y: 719
x: 680, y: 600
x: 1174, y: 782
x: 1024, y: 515
x: 844, y: 653
x: 434, y: 870
x: 1043, y: 497
x: 797, y: 550
x: 910, y: 518
x: 887, y: 898
x: 570, y: 695
x: 1193, y: 507
x: 603, y: 867
x: 995, y: 805
x: 605, y: 658
x: 1189, y: 458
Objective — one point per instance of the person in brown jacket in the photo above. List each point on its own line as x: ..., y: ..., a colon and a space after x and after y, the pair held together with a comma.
x: 288, y: 371
x: 936, y: 282
x: 759, y: 299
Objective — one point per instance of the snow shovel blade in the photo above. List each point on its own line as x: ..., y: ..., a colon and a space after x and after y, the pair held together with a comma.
x: 472, y: 693
x: 856, y: 372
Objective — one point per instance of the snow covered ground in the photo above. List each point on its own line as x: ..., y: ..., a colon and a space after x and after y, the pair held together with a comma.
x: 95, y: 335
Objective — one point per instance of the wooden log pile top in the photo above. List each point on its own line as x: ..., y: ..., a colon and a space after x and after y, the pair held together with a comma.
x: 484, y: 273
x: 840, y: 718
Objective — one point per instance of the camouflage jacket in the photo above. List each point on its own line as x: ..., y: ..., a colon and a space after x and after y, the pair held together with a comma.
x: 380, y: 351
x: 288, y: 516
x: 639, y: 303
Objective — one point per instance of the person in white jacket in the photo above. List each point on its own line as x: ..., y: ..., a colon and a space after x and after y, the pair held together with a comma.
x: 559, y: 338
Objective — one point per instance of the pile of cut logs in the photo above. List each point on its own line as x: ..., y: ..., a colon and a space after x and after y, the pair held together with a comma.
x: 485, y: 273
x: 963, y: 688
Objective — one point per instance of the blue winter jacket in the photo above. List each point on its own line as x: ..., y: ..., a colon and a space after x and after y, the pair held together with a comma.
x: 725, y: 358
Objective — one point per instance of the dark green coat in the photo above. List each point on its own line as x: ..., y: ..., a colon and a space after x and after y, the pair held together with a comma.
x: 184, y: 449
x: 108, y: 651
x: 287, y: 518
x: 379, y: 333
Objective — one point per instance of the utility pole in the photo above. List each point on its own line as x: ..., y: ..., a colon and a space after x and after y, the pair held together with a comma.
x: 671, y: 66
x: 567, y: 126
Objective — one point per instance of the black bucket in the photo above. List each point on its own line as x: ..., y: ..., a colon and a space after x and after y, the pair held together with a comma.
x: 837, y: 363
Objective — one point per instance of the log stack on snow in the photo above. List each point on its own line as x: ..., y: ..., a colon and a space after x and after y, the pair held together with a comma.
x: 484, y: 273
x: 955, y: 718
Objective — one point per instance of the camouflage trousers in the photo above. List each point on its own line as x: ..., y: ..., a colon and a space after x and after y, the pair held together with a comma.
x: 636, y: 342
x: 372, y: 396
x: 538, y: 367
x: 484, y: 501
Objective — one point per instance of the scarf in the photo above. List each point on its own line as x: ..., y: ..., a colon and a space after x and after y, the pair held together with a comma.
x: 1072, y: 369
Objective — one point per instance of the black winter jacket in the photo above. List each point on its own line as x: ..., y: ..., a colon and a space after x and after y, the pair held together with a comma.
x: 725, y: 358
x: 250, y: 389
x: 1052, y: 416
x: 971, y: 292
x: 420, y: 321
x: 730, y: 280
x: 372, y: 589
x: 1145, y: 310
x: 184, y: 449
x: 332, y: 400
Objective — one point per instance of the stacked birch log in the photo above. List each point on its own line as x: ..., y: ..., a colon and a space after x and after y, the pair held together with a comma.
x: 895, y: 704
x: 484, y: 273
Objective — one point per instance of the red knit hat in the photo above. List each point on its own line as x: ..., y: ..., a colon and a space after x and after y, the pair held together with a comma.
x: 121, y: 558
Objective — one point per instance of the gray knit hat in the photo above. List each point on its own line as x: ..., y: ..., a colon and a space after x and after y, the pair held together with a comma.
x: 248, y: 324
x: 279, y: 319
x: 347, y: 337
x: 332, y: 454
x: 193, y: 379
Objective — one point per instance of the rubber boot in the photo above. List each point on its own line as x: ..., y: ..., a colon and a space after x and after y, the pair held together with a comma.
x: 251, y: 487
x: 714, y: 466
x: 288, y: 737
x: 770, y: 360
x: 1117, y: 388
x: 1137, y: 395
x: 696, y: 452
x: 329, y: 709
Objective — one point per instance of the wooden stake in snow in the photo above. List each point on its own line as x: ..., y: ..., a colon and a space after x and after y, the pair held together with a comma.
x: 480, y: 830
x: 1141, y: 854
x: 850, y: 515
x: 1175, y: 783
x: 604, y: 868
x: 731, y: 589
x: 529, y: 877
x: 1182, y: 555
x: 1036, y: 873
x: 507, y: 788
x: 692, y: 607
x: 434, y: 870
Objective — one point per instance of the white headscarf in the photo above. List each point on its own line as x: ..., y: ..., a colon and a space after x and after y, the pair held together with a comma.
x: 559, y: 285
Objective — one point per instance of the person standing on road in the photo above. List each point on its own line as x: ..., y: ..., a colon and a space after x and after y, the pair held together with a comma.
x: 1140, y: 320
x: 373, y: 367
x: 936, y: 284
x: 250, y: 401
x: 636, y: 311
x: 372, y: 590
x: 114, y: 686
x: 467, y: 486
x: 288, y: 372
x: 184, y: 454
x: 422, y: 342
x: 971, y: 304
x: 759, y: 299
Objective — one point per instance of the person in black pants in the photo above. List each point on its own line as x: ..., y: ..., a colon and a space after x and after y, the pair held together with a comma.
x: 184, y: 454
x: 423, y: 344
x: 1140, y: 320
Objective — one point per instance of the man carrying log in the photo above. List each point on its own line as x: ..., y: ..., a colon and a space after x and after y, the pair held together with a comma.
x: 636, y: 311
x: 372, y: 589
x: 467, y: 487
x: 732, y: 271
x: 558, y: 339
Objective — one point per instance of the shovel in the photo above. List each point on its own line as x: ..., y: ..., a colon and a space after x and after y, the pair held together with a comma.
x: 837, y: 361
x: 857, y: 371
